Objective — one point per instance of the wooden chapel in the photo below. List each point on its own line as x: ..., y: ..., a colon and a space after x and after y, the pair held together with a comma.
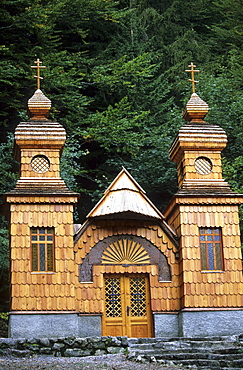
x: 129, y: 269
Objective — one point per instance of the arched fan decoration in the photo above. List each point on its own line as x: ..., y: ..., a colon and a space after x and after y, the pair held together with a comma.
x: 125, y: 251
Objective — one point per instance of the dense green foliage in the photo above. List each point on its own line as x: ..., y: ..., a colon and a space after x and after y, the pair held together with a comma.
x: 115, y: 75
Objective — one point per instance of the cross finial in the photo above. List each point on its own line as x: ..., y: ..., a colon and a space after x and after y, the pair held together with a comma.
x: 38, y: 67
x: 192, y: 71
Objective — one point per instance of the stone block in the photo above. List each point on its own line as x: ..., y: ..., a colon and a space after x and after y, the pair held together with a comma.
x: 89, y: 326
x: 44, y: 342
x: 114, y: 350
x: 8, y: 343
x: 58, y: 346
x: 75, y: 352
x: 124, y: 341
x: 114, y: 341
x: 95, y: 342
x: 19, y: 353
x: 33, y: 347
x: 81, y: 343
x: 43, y: 325
x: 210, y: 323
x: 100, y: 352
x: 166, y: 325
x: 45, y: 351
x: 69, y: 341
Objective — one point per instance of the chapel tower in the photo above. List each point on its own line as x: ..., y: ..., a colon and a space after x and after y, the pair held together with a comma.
x: 41, y: 225
x: 204, y: 213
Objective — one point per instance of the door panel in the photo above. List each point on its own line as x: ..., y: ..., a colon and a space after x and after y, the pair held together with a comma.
x: 127, y: 306
x: 114, y: 306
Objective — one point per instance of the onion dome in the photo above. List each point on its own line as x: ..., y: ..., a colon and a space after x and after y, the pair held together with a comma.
x: 196, y: 109
x: 39, y: 106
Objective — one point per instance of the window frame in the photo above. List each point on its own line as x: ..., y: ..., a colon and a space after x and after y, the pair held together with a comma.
x: 211, y: 251
x: 42, y: 243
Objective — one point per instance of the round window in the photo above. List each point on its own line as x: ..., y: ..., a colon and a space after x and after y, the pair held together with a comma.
x: 40, y: 164
x: 203, y: 165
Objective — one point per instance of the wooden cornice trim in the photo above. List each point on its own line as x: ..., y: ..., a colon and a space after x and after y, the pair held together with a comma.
x: 42, y: 312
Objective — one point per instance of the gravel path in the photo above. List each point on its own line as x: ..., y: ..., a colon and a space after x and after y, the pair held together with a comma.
x: 106, y: 362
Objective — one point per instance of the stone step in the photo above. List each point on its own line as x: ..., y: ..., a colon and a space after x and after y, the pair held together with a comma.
x: 225, y: 368
x: 202, y: 356
x: 238, y: 362
x: 227, y: 351
x: 232, y: 338
x: 204, y: 363
x: 210, y: 346
x: 186, y: 355
x: 210, y: 363
x: 233, y: 353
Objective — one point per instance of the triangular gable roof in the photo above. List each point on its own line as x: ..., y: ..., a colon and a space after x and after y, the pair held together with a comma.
x: 125, y: 195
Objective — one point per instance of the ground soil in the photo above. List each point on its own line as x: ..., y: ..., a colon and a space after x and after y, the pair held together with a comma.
x: 106, y: 362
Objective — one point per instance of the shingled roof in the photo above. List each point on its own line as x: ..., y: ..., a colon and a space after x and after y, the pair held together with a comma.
x: 125, y: 195
x: 125, y: 199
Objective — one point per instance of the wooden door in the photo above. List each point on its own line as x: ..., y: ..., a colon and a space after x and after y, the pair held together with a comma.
x: 127, y: 306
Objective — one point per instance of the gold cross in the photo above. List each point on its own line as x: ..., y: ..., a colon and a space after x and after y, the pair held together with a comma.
x: 38, y: 67
x: 192, y: 71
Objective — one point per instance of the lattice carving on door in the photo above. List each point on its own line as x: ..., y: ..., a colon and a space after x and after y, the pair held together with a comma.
x: 138, y: 296
x: 113, y: 297
x: 125, y: 251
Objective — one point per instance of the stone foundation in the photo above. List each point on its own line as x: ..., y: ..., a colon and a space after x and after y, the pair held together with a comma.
x: 53, y: 325
x: 210, y: 323
x: 166, y: 325
x: 183, y: 324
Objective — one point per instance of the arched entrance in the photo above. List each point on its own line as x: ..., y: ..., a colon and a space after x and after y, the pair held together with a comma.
x: 126, y: 262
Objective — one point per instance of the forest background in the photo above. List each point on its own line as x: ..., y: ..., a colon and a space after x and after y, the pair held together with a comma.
x: 115, y: 73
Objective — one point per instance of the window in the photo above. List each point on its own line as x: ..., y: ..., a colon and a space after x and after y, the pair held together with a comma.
x: 40, y: 164
x: 42, y: 248
x: 203, y: 165
x: 211, y: 248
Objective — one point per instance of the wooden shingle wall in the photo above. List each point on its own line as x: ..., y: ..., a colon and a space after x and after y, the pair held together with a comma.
x: 209, y: 289
x: 37, y: 291
x: 197, y: 151
x: 53, y: 156
x: 187, y: 171
x: 165, y: 296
